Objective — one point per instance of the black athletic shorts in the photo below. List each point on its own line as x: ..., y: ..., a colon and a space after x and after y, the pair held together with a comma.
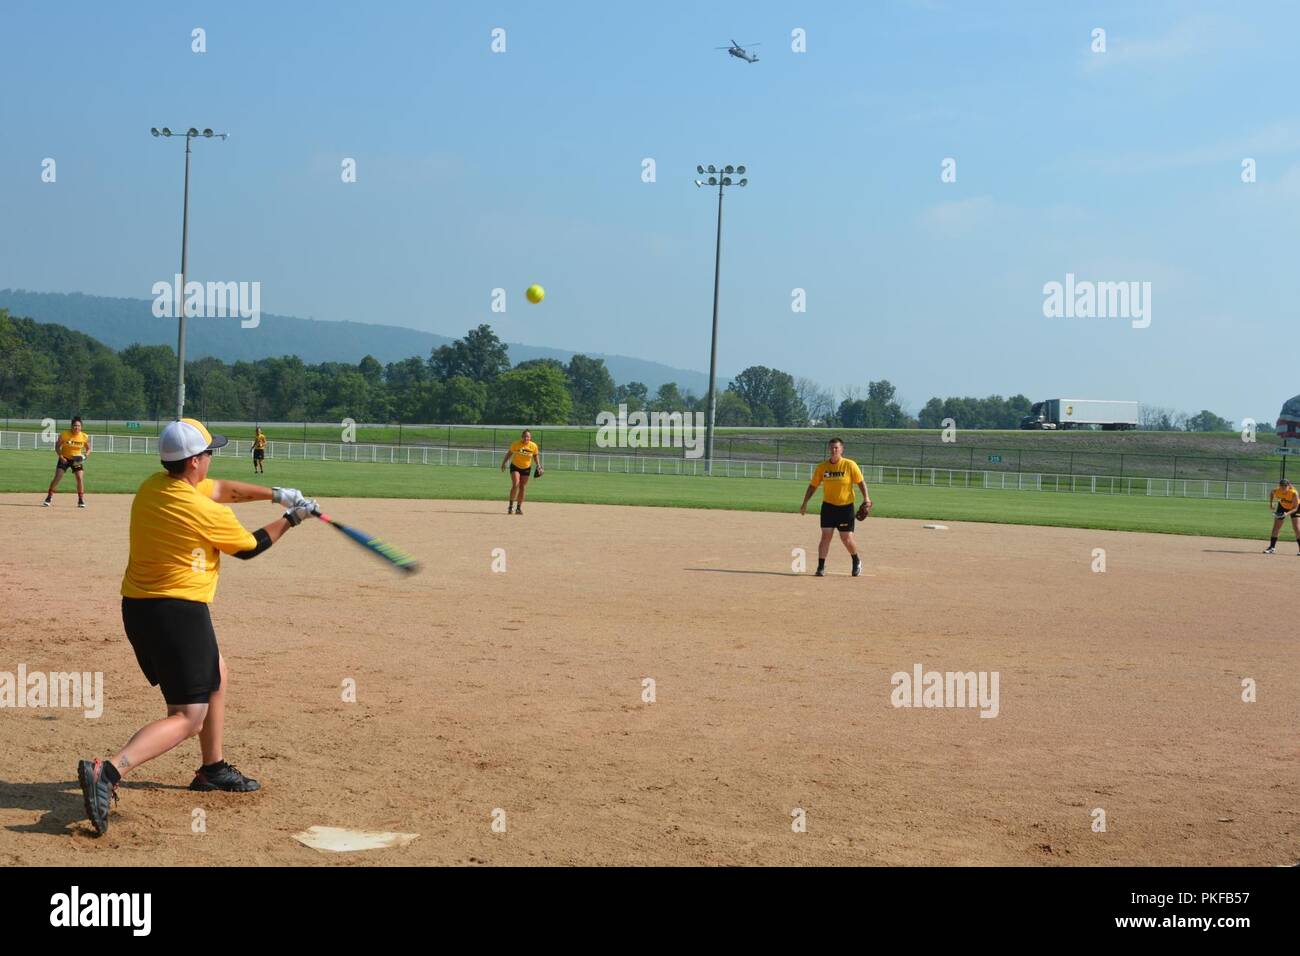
x: 1280, y: 512
x: 523, y: 471
x: 839, y: 517
x: 64, y: 464
x: 259, y: 454
x: 175, y: 646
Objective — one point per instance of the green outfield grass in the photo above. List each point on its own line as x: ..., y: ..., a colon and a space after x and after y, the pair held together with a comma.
x: 30, y: 472
x: 1179, y: 455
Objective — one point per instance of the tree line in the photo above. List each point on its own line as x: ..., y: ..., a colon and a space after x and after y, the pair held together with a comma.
x: 50, y: 370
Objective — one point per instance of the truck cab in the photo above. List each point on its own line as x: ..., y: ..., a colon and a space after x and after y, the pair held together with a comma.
x: 1037, y: 417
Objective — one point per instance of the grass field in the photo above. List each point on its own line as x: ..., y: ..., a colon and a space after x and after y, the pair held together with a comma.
x: 1189, y: 455
x: 120, y: 474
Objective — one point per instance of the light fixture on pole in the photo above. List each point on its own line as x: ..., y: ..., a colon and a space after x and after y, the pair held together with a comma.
x: 722, y: 179
x: 189, y: 135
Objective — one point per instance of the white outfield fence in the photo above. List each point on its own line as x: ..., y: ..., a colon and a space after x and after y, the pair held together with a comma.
x: 624, y: 464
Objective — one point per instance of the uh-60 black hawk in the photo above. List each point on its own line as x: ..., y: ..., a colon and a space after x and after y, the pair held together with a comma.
x: 739, y: 51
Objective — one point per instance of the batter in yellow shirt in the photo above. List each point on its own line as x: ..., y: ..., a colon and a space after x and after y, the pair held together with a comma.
x: 178, y: 534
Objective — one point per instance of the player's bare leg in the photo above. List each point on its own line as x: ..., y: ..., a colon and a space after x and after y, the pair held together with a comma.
x: 80, y: 475
x: 153, y: 740
x: 1277, y: 526
x: 212, y: 733
x: 851, y: 544
x: 823, y: 549
x: 99, y: 778
x: 824, y: 545
x: 58, y: 476
x: 514, y: 489
x: 216, y: 774
x: 519, y: 499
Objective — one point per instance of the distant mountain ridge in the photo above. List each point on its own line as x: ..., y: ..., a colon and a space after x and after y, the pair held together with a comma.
x: 121, y: 322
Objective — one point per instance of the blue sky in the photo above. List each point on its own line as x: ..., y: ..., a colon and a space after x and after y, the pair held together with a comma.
x: 478, y: 170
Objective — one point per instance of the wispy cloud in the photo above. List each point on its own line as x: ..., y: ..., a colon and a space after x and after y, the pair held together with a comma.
x: 960, y: 217
x: 1277, y: 138
x: 1197, y: 36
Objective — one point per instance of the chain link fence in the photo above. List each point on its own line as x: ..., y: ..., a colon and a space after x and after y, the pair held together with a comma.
x: 753, y: 445
x: 627, y: 464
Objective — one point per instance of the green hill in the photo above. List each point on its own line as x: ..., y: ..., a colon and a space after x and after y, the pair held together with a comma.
x: 122, y: 322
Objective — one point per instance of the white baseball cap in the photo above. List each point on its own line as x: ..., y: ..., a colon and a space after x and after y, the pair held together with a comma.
x: 185, y: 439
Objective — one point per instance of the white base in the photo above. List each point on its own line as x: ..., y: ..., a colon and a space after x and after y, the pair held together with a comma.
x: 338, y: 840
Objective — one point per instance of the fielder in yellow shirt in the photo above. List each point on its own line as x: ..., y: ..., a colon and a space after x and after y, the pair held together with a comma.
x: 73, y: 448
x: 521, y: 456
x: 180, y: 528
x: 259, y: 452
x: 837, y: 476
x: 1284, y: 502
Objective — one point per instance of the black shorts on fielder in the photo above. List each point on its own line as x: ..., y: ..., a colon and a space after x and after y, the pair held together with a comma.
x: 522, y: 471
x: 259, y: 454
x: 65, y: 463
x: 1280, y: 512
x: 175, y: 646
x: 839, y: 517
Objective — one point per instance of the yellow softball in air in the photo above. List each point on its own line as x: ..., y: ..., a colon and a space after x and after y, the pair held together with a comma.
x: 535, y: 294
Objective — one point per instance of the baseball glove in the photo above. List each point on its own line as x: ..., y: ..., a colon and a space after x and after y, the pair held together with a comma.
x: 538, y: 471
x: 864, y: 509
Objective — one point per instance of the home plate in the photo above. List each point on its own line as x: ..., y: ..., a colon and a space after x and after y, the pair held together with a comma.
x: 935, y: 527
x: 337, y: 840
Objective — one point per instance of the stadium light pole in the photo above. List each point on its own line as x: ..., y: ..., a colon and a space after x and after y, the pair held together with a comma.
x: 720, y: 177
x: 189, y: 135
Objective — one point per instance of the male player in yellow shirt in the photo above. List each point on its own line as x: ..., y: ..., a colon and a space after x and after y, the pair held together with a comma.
x: 837, y: 475
x: 1286, y: 500
x: 73, y: 447
x: 259, y: 453
x: 180, y: 527
x: 520, y: 455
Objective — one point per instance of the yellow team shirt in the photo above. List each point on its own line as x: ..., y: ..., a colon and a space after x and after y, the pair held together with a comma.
x: 260, y: 443
x: 1287, y: 499
x: 177, y: 535
x: 70, y: 445
x: 837, y: 480
x: 523, y: 453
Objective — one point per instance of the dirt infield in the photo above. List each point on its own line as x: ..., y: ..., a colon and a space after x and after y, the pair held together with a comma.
x: 478, y: 690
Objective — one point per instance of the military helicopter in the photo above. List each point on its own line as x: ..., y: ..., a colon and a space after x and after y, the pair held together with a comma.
x: 737, y: 50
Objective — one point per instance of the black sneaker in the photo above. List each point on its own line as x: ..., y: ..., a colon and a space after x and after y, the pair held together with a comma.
x: 46, y: 503
x: 510, y: 508
x: 519, y: 509
x: 81, y: 504
x: 857, y: 569
x: 820, y: 573
x: 223, y: 777
x: 96, y: 791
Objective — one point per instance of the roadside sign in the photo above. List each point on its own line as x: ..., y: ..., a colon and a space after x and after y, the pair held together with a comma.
x: 995, y: 459
x: 133, y: 426
x: 1287, y: 451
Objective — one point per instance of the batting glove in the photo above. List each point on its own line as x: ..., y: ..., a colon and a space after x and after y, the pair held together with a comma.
x: 289, y: 497
x: 298, y: 513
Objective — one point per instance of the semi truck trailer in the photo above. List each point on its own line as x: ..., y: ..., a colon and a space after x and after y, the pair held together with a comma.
x: 1081, y: 413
